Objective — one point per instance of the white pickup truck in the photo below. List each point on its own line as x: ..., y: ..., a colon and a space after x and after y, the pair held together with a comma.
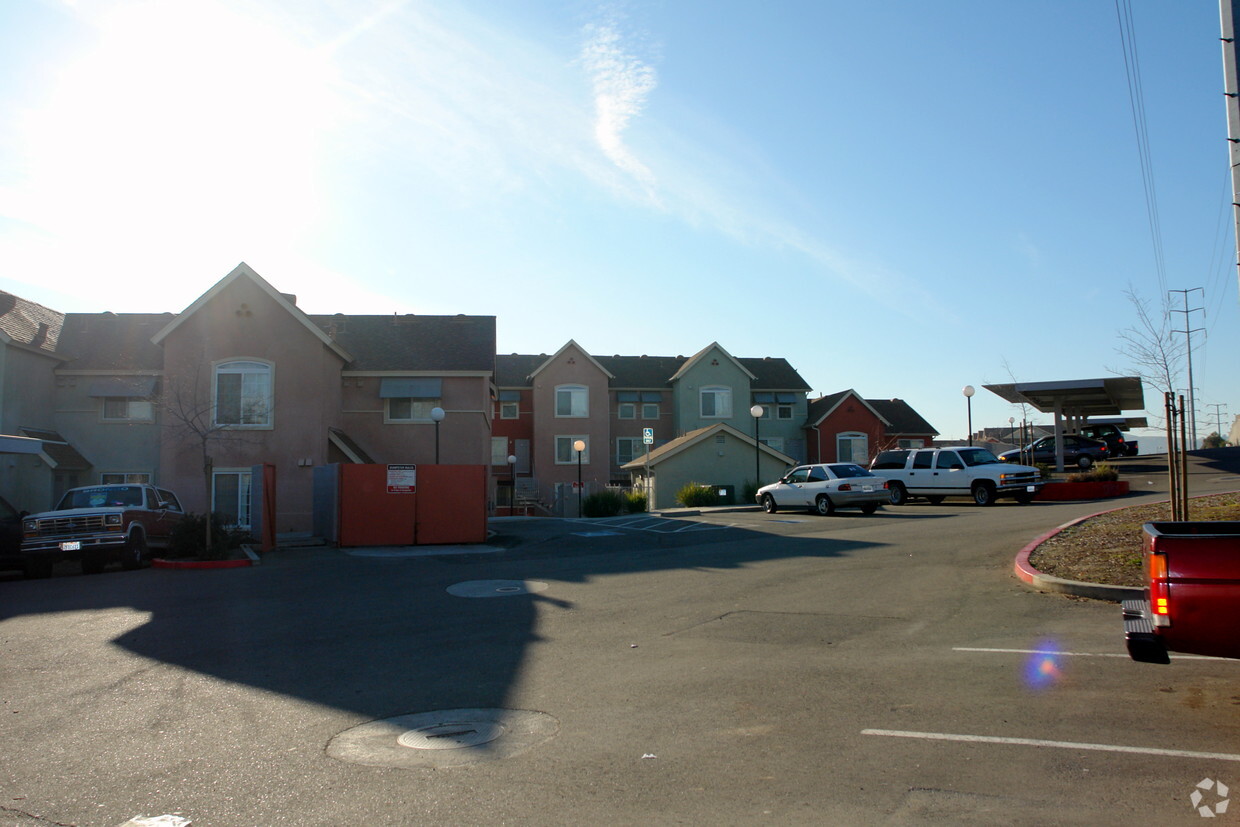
x: 935, y: 473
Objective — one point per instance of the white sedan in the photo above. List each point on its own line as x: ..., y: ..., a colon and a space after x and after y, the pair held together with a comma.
x: 824, y: 488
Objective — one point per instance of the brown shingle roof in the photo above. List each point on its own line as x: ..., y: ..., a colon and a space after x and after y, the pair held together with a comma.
x: 30, y: 324
x: 113, y: 341
x: 414, y: 343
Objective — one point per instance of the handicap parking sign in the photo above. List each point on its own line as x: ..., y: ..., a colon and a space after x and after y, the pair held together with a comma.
x: 648, y: 436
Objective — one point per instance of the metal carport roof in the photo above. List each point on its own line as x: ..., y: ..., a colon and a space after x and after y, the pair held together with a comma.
x: 1077, y: 397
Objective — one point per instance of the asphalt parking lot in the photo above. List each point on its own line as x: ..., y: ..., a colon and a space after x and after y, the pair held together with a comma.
x: 727, y: 667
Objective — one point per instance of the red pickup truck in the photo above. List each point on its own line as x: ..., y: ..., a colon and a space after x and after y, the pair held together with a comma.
x: 1192, y: 603
x: 99, y: 523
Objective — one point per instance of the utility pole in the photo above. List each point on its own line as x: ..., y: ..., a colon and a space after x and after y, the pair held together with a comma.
x: 1218, y: 417
x: 1188, y: 341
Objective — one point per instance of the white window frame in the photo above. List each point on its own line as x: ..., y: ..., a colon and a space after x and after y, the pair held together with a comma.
x: 578, y: 401
x: 246, y: 368
x: 419, y: 409
x: 637, y: 448
x: 572, y: 454
x: 509, y: 410
x: 722, y: 402
x: 137, y: 409
x: 626, y: 410
x: 244, y: 483
x: 499, y: 450
x: 650, y: 410
x: 852, y: 438
x: 783, y: 412
x: 910, y: 443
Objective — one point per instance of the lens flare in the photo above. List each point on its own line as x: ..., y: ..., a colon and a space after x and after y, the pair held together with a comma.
x: 1042, y: 669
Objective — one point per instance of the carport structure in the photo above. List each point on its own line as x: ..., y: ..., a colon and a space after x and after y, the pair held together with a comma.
x: 1073, y: 401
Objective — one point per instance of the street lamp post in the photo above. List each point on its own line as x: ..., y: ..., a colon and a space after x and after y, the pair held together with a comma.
x: 437, y: 416
x: 1012, y: 429
x: 579, y: 446
x: 512, y: 484
x: 968, y: 392
x: 756, y: 413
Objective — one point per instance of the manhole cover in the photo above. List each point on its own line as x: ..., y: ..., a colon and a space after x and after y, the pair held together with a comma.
x: 445, y: 738
x: 451, y: 735
x: 496, y: 588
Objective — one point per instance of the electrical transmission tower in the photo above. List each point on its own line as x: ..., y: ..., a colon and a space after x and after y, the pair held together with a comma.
x: 1188, y: 341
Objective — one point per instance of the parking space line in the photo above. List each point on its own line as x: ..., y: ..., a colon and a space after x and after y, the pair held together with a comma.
x: 1123, y: 655
x: 1036, y: 742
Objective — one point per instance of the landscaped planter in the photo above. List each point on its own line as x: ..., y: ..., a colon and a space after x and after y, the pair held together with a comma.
x: 1082, y: 490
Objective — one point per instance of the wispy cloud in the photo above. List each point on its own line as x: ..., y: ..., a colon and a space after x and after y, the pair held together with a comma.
x: 621, y: 83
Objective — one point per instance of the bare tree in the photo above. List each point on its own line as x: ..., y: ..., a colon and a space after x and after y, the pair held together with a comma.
x: 1155, y: 354
x: 189, y: 410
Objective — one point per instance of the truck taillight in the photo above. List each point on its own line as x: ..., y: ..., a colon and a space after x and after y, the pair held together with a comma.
x: 1160, y: 590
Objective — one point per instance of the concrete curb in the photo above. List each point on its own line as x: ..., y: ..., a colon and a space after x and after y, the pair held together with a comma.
x: 1058, y: 585
x: 1097, y: 591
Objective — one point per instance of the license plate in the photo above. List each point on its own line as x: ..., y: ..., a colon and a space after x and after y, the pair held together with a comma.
x: 72, y: 545
x: 867, y: 488
x: 1031, y: 488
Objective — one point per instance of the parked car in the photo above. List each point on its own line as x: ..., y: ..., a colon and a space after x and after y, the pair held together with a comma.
x: 10, y: 536
x: 824, y: 488
x: 936, y: 473
x: 1077, y: 450
x: 1115, y: 439
x: 99, y: 523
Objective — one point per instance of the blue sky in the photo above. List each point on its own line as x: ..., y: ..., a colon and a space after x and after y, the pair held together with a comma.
x: 900, y: 197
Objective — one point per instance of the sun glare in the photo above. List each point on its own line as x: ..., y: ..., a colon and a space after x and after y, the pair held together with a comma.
x: 185, y: 124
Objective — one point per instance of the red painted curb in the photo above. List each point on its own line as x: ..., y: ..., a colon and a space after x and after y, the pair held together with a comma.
x: 200, y: 564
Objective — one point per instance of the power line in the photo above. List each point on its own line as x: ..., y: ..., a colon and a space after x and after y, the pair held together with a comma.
x: 1136, y: 99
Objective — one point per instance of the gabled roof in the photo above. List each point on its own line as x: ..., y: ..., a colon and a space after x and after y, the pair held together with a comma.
x: 642, y: 371
x: 683, y: 443
x: 118, y: 342
x: 513, y: 370
x: 572, y: 344
x: 29, y: 325
x: 824, y: 406
x: 244, y: 271
x: 701, y: 354
x: 414, y: 343
x: 901, y: 417
x: 774, y: 373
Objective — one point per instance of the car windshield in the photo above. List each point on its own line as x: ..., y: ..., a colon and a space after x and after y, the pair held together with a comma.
x: 844, y: 470
x: 977, y: 456
x: 102, y: 497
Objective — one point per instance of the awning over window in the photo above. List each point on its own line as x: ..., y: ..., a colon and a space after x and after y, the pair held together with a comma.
x: 421, y: 388
x: 768, y: 398
x: 785, y: 398
x: 628, y: 396
x: 140, y: 387
x: 510, y: 396
x: 652, y: 396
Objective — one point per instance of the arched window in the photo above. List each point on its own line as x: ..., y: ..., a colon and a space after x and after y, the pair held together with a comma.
x: 852, y: 446
x: 243, y: 394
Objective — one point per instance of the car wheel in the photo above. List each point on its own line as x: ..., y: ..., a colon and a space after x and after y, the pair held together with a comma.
x: 135, y: 552
x: 935, y: 499
x: 768, y: 504
x: 869, y: 508
x: 93, y: 564
x: 824, y: 506
x: 1084, y: 461
x: 984, y: 494
x: 897, y: 494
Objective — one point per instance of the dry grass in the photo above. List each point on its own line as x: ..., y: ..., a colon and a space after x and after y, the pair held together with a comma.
x: 1107, y: 548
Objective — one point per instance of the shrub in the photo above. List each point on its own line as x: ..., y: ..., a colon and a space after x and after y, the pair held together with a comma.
x: 189, y: 538
x: 749, y: 491
x: 635, y: 501
x: 696, y: 495
x: 603, y: 504
x: 1101, y: 472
